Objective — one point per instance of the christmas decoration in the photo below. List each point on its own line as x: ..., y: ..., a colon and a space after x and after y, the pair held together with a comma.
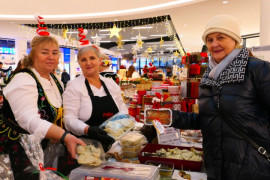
x: 115, y: 31
x: 139, y: 41
x: 64, y: 34
x: 41, y: 30
x: 161, y: 42
x: 82, y: 35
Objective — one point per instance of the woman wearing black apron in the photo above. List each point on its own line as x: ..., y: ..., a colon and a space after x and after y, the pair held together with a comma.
x: 91, y: 99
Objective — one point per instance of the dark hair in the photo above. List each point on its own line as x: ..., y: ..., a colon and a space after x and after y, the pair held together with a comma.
x: 130, y: 71
x: 1, y: 63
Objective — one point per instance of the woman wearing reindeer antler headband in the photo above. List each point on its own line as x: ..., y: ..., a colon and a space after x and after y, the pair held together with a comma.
x: 33, y: 105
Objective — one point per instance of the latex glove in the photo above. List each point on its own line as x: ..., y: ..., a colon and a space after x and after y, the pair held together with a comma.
x: 100, y: 135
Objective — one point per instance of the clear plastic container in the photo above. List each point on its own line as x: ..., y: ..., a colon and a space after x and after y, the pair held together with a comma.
x: 130, y: 154
x: 132, y: 139
x: 132, y: 148
x: 117, y: 170
x: 164, y: 115
x: 92, y: 154
x: 118, y: 125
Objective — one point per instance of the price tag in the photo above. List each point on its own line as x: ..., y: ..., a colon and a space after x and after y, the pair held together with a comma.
x: 159, y: 127
x: 171, y: 136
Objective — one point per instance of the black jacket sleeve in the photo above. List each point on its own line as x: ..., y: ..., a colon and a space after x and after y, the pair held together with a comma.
x: 185, y: 120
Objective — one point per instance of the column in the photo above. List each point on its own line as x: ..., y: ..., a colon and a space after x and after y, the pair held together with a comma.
x: 20, y: 48
x: 265, y: 23
x: 73, y: 64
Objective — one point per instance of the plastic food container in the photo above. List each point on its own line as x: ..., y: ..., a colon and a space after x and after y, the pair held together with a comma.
x: 90, y: 155
x: 133, y: 149
x: 178, y: 164
x: 164, y: 115
x: 132, y: 139
x: 118, y: 125
x: 118, y: 170
x: 165, y: 168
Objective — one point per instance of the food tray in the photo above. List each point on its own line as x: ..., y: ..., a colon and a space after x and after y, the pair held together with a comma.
x: 178, y: 164
x: 97, y: 145
x: 137, y: 172
x: 120, y: 127
x: 162, y: 114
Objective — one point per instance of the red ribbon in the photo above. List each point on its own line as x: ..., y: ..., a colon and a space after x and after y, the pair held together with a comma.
x: 82, y: 36
x: 43, y: 169
x: 42, y: 30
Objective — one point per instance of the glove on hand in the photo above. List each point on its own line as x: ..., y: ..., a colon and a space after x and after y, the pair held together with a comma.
x: 100, y: 135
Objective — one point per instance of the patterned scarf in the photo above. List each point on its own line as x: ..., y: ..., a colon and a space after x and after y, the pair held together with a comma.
x: 233, y: 73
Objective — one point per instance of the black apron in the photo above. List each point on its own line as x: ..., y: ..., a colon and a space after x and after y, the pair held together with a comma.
x: 102, y: 107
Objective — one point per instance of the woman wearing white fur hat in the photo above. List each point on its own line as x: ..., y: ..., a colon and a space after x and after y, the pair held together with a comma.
x: 234, y: 106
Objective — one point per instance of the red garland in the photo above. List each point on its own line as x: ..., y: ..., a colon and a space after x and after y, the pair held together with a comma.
x: 82, y: 35
x: 41, y: 30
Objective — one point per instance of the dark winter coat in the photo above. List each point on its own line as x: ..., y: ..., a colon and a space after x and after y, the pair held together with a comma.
x: 241, y: 94
x: 65, y: 77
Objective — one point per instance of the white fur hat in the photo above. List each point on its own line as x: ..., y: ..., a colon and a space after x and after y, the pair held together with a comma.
x: 225, y: 24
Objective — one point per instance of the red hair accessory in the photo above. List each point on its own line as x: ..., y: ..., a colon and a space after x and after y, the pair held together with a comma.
x: 95, y: 47
x: 82, y: 35
x: 41, y: 30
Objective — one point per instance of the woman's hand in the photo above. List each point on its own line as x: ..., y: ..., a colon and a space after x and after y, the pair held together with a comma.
x: 71, y: 143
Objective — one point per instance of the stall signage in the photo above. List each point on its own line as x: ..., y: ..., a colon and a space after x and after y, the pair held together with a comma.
x: 171, y: 136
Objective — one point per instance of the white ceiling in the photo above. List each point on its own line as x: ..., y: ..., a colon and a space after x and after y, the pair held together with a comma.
x: 189, y: 19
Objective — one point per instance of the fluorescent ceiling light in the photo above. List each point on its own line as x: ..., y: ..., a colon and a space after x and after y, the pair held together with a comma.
x: 125, y: 40
x: 143, y: 27
x: 142, y: 37
x: 104, y: 34
x: 168, y: 45
x: 104, y: 30
x: 72, y: 32
x: 149, y: 51
x: 104, y: 41
x: 225, y: 2
x: 120, y: 50
x: 99, y: 14
x: 159, y: 35
x: 171, y: 48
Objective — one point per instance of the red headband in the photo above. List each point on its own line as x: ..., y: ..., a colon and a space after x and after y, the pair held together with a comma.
x: 94, y: 46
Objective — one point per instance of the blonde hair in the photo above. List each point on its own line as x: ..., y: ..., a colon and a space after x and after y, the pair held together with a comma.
x: 85, y: 49
x: 27, y: 61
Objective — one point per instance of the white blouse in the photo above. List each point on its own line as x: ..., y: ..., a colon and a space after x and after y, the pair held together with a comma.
x: 22, y: 95
x: 78, y: 105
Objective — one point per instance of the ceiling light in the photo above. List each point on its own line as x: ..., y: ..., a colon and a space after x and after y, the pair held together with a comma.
x: 121, y: 50
x: 171, y: 48
x: 225, y: 2
x: 104, y: 41
x: 104, y: 30
x: 143, y: 27
x: 168, y: 45
x: 142, y: 37
x: 159, y: 35
x: 72, y: 32
x: 125, y: 40
x: 100, y: 14
x: 104, y: 34
x: 185, y: 25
